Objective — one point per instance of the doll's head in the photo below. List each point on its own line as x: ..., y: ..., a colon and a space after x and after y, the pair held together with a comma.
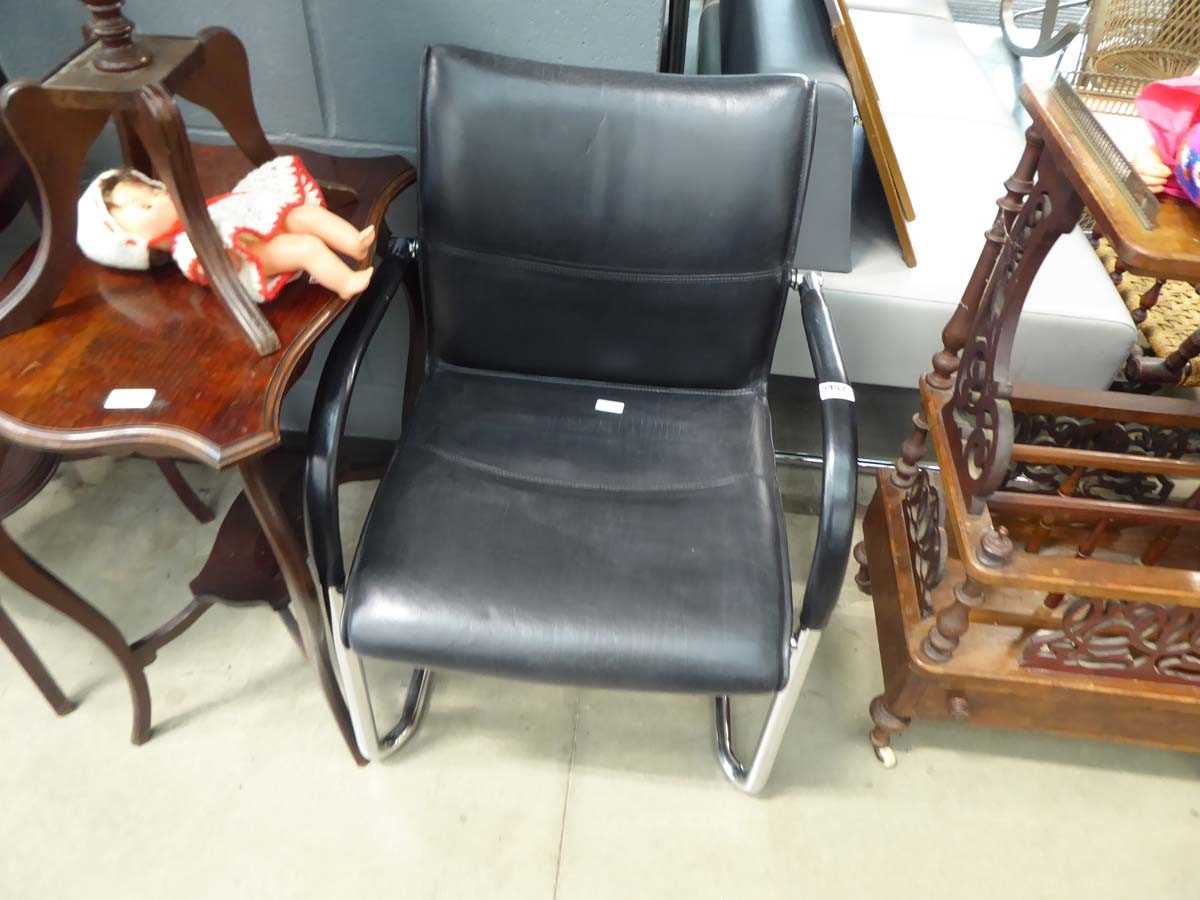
x: 120, y: 214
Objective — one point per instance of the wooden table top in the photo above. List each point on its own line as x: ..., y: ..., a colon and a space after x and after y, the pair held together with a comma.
x: 216, y: 401
x: 1169, y: 250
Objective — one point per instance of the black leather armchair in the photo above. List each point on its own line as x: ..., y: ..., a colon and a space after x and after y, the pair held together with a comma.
x: 585, y: 491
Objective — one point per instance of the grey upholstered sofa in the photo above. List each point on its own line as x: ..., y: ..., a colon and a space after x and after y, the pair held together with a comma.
x: 956, y: 143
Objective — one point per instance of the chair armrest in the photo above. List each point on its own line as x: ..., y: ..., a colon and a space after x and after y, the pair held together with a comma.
x: 839, y: 486
x: 330, y: 406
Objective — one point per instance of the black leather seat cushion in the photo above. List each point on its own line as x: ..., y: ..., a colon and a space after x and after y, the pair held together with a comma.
x: 521, y: 532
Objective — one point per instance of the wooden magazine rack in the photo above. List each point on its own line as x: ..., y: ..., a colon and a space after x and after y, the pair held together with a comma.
x: 1048, y: 579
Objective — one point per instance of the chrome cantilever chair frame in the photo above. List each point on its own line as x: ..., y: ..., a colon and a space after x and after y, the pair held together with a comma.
x: 835, y: 529
x: 321, y: 492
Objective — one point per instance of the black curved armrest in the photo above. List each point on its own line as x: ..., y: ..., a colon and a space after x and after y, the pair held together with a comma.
x: 839, y: 486
x: 330, y: 406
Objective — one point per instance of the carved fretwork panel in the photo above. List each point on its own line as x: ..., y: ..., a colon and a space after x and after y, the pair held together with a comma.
x: 1122, y: 639
x: 924, y: 520
x: 1077, y: 433
x: 979, y: 418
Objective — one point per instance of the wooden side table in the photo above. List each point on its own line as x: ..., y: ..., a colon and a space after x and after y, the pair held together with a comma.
x: 1071, y: 605
x: 215, y: 401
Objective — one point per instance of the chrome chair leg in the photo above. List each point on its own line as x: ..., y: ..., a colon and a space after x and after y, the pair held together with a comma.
x: 752, y: 778
x: 353, y: 677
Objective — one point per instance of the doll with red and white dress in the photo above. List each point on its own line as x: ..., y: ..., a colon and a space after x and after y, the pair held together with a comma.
x: 273, y: 224
x: 1171, y: 111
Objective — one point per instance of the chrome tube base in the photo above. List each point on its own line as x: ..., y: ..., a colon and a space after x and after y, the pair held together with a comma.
x: 353, y: 678
x: 752, y: 778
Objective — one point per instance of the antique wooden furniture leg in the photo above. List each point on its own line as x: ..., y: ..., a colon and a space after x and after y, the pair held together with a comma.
x: 890, y: 711
x: 28, y: 660
x: 55, y: 157
x: 27, y: 574
x: 1170, y: 370
x: 187, y: 496
x: 221, y: 84
x: 162, y: 132
x: 1148, y: 300
x: 22, y: 475
x: 293, y: 561
x: 242, y: 570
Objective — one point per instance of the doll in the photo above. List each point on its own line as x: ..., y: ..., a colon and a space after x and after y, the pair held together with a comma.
x: 1171, y: 110
x: 274, y: 225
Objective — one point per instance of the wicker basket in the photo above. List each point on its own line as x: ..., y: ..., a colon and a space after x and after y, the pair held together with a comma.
x: 1133, y: 42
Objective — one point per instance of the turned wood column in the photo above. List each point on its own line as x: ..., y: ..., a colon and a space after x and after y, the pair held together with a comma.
x: 912, y: 451
x: 1017, y: 189
x: 995, y: 550
x: 121, y: 52
x: 945, y: 362
x: 952, y: 622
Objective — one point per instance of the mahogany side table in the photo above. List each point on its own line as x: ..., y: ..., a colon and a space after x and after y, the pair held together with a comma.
x: 215, y: 401
x: 1049, y: 581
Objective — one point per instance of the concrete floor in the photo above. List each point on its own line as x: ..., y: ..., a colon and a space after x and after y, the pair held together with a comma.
x: 513, y: 790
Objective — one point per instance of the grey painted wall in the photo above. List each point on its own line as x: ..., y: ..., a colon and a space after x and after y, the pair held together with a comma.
x: 343, y: 76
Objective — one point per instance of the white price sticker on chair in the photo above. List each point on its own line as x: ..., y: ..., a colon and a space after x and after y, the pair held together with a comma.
x: 129, y: 398
x: 835, y: 390
x: 616, y: 407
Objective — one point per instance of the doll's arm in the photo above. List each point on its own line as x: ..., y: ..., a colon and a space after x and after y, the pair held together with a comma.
x: 1150, y: 167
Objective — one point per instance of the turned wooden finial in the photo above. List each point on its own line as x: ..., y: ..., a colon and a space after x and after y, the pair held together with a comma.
x: 120, y: 52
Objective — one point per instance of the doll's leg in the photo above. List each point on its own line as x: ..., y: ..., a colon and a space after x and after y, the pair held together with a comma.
x: 289, y: 252
x: 331, y: 228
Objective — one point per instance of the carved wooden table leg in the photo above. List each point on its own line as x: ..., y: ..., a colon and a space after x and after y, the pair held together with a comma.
x: 293, y: 561
x: 26, y: 573
x: 11, y: 638
x: 188, y: 497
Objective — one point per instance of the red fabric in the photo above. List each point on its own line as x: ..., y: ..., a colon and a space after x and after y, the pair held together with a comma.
x: 304, y: 191
x: 1171, y: 109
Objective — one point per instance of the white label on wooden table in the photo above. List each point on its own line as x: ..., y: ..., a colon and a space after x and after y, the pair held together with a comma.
x: 129, y: 398
x: 616, y: 407
x: 835, y: 390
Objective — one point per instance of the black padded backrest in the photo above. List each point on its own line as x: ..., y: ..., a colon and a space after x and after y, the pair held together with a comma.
x: 616, y: 226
